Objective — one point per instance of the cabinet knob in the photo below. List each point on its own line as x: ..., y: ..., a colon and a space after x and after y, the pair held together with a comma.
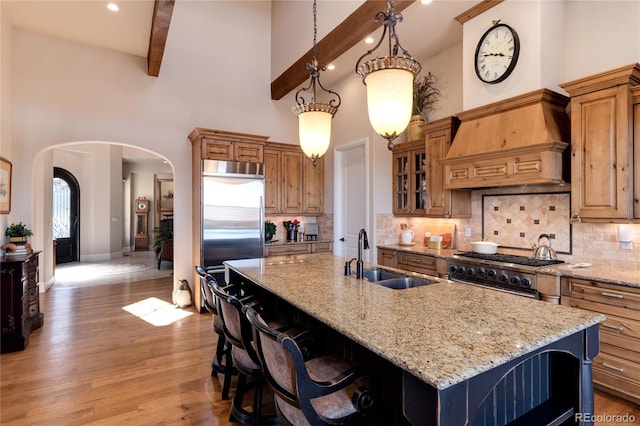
x: 575, y: 218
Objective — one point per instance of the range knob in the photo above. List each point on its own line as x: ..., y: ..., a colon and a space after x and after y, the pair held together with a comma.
x: 470, y: 272
x: 460, y: 270
x: 514, y: 280
x: 452, y: 269
x: 503, y: 278
x: 525, y: 282
x: 480, y: 271
x: 491, y: 274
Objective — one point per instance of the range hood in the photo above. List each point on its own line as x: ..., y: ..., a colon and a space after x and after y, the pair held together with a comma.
x: 517, y: 141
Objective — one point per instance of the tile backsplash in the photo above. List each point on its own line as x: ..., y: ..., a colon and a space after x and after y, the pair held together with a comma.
x: 595, y: 243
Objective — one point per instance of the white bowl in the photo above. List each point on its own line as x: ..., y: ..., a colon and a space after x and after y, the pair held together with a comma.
x: 485, y: 247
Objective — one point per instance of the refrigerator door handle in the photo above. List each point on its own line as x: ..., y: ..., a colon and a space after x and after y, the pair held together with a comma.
x: 262, y: 221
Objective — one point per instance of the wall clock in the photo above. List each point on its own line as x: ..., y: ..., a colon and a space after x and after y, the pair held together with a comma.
x: 497, y: 53
x: 142, y: 205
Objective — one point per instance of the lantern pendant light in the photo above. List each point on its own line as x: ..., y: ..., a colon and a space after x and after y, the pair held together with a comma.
x: 314, y: 117
x: 389, y: 81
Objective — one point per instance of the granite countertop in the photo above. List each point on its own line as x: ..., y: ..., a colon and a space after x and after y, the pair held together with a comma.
x: 443, y: 333
x: 291, y: 243
x: 605, y: 274
x: 420, y: 248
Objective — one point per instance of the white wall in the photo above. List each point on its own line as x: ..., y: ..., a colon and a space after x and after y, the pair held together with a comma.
x: 218, y: 77
x: 5, y: 96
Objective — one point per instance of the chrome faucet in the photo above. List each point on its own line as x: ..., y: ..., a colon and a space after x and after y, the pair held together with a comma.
x: 362, y: 238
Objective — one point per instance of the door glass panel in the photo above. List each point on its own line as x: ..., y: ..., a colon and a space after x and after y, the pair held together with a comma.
x: 61, y: 209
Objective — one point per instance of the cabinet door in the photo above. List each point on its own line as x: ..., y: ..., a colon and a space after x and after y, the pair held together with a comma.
x: 387, y: 257
x: 439, y: 200
x: 401, y: 183
x: 313, y: 186
x: 272, y: 182
x: 636, y: 161
x: 418, y: 184
x: 292, y: 182
x: 600, y: 150
x: 248, y: 152
x: 217, y: 150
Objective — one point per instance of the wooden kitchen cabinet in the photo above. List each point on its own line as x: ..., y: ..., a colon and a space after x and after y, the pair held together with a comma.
x: 292, y: 184
x: 228, y: 146
x: 443, y: 202
x: 617, y: 367
x: 387, y: 257
x: 410, y: 179
x: 20, y: 298
x: 602, y: 151
x: 635, y: 94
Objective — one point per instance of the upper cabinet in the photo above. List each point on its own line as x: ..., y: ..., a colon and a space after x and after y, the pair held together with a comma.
x: 418, y: 175
x: 229, y: 146
x: 602, y: 145
x: 410, y: 178
x: 443, y: 202
x: 292, y: 184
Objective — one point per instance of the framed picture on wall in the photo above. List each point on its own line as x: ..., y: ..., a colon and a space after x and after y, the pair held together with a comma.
x: 5, y: 186
x: 165, y: 196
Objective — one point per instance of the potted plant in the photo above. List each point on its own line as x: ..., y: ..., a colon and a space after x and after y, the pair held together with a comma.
x: 161, y: 234
x: 269, y: 230
x: 18, y: 233
x: 425, y: 95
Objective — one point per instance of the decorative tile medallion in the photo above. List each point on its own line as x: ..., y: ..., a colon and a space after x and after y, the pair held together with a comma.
x: 517, y: 220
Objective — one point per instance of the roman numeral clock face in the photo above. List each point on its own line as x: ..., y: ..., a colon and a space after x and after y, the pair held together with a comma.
x: 497, y: 54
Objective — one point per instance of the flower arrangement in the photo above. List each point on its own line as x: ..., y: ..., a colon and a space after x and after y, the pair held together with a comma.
x: 18, y: 230
x: 425, y: 95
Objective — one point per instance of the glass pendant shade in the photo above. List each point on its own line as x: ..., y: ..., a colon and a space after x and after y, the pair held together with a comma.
x: 315, y: 132
x: 389, y: 101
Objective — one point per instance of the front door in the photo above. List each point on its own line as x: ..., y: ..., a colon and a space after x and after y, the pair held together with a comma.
x: 66, y: 216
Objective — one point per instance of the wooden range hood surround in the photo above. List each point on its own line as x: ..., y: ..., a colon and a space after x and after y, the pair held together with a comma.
x: 517, y: 141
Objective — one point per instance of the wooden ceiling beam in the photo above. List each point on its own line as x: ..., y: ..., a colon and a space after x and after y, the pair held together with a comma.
x: 347, y: 34
x: 162, y: 11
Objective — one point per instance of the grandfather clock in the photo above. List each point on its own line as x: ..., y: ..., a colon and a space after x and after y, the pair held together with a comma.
x: 142, y: 215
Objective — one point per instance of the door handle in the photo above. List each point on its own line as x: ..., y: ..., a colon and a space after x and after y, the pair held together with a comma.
x: 342, y: 239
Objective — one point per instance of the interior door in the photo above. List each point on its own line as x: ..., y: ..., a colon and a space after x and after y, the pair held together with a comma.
x: 66, y: 216
x: 351, y: 199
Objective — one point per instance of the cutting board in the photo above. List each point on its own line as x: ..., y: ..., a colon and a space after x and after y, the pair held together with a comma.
x: 447, y: 231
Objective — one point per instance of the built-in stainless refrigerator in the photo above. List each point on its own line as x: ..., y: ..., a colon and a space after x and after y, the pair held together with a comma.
x: 232, y: 213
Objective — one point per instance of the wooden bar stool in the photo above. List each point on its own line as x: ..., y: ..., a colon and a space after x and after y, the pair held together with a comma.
x: 238, y: 332
x: 221, y: 362
x: 324, y: 390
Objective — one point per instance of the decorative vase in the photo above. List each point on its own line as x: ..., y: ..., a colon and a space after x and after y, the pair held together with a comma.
x: 415, y: 131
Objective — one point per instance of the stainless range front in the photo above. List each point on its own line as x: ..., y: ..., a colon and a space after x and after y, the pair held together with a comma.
x: 514, y: 274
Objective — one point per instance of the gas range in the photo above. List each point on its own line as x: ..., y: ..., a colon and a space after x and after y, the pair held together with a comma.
x: 511, y: 273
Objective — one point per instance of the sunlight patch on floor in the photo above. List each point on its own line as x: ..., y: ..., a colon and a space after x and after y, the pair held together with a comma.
x: 156, y: 311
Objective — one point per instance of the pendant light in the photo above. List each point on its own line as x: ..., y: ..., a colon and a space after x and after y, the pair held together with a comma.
x: 314, y: 117
x: 389, y: 81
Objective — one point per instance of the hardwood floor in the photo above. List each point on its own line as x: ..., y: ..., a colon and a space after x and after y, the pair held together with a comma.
x: 95, y: 363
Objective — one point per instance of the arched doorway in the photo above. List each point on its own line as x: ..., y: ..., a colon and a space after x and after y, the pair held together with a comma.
x: 66, y: 216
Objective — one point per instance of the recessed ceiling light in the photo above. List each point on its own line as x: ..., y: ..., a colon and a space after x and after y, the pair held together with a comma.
x: 368, y: 40
x: 425, y: 1
x: 113, y: 7
x: 331, y: 67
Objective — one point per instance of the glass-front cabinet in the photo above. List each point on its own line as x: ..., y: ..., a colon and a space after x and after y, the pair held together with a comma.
x: 410, y: 171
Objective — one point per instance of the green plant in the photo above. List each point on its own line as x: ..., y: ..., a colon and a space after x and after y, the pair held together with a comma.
x: 269, y: 227
x: 18, y: 230
x: 161, y: 234
x: 425, y: 95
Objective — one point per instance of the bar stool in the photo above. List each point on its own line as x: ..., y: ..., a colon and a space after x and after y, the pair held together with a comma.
x: 325, y: 390
x: 239, y: 333
x: 221, y: 362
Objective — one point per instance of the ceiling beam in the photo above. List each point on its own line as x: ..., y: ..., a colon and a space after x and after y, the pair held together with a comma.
x: 347, y: 34
x: 162, y: 11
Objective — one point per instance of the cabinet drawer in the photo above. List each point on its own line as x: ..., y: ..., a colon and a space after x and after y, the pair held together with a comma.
x: 249, y: 152
x: 321, y: 247
x: 618, y: 367
x: 620, y: 386
x: 622, y: 326
x: 420, y: 261
x: 217, y: 150
x: 605, y: 293
x: 602, y: 308
x: 289, y: 249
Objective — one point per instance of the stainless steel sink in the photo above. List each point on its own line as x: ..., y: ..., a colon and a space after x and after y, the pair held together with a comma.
x: 377, y: 274
x: 394, y: 280
x: 404, y: 282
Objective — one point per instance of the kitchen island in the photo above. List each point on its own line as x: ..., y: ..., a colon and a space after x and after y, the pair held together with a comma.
x: 468, y: 355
